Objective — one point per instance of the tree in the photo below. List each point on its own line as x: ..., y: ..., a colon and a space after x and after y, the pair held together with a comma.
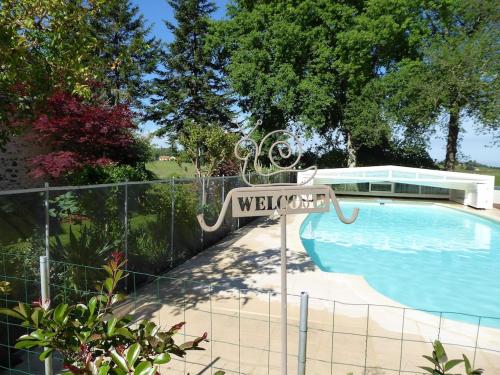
x: 306, y: 61
x: 209, y: 148
x: 80, y: 134
x: 126, y: 50
x: 457, y: 76
x: 190, y: 88
x: 44, y: 46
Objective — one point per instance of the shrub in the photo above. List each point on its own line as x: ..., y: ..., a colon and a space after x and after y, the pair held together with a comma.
x: 108, y: 174
x: 92, y: 339
x: 442, y: 365
x: 80, y: 134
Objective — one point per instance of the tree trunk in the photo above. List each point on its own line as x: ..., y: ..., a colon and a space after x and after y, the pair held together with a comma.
x: 452, y: 140
x: 351, y: 152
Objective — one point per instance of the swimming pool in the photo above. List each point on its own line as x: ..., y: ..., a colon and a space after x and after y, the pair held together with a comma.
x: 422, y: 255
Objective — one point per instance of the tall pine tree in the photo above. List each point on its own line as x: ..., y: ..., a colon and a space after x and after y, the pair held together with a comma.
x: 190, y: 88
x: 128, y: 52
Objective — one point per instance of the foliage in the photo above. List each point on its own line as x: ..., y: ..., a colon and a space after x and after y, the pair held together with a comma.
x: 442, y: 365
x: 111, y: 173
x: 80, y: 134
x: 92, y: 339
x: 207, y: 147
x: 190, y: 87
x: 45, y: 45
x: 64, y: 206
x: 126, y: 51
x: 5, y: 287
x: 456, y: 75
x: 307, y: 62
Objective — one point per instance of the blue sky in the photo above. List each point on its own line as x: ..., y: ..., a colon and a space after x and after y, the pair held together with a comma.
x: 473, y: 146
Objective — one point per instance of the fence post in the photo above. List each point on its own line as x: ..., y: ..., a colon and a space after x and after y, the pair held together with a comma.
x: 45, y: 291
x: 222, y: 199
x: 125, y: 222
x: 304, y: 303
x: 46, y: 204
x: 172, y: 224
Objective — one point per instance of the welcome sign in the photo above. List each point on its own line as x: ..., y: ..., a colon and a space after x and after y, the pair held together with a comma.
x: 264, y: 201
x: 283, y: 198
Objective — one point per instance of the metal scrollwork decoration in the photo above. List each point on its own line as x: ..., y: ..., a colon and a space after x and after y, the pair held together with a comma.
x: 281, y: 147
x: 284, y: 149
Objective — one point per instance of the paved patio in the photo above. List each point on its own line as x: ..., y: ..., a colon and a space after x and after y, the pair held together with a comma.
x: 231, y: 290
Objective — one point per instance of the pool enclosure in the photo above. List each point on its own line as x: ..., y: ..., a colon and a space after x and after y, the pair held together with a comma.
x: 469, y: 189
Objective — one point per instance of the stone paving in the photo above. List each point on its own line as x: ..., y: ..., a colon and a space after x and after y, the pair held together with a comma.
x: 231, y: 291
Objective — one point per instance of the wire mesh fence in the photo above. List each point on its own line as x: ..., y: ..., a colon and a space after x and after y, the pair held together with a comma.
x: 154, y: 223
x: 243, y: 326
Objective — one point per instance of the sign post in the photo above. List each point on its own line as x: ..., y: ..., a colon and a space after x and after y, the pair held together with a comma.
x: 284, y: 303
x: 282, y: 198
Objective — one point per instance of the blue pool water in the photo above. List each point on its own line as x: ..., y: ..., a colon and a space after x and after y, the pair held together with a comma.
x: 423, y: 256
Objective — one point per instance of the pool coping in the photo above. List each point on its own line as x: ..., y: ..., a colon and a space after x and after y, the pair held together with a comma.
x: 370, y: 295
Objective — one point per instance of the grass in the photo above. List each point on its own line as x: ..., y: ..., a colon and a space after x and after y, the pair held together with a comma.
x: 484, y: 170
x: 167, y: 169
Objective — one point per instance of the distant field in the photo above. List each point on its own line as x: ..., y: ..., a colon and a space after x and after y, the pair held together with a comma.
x: 485, y: 170
x: 167, y: 169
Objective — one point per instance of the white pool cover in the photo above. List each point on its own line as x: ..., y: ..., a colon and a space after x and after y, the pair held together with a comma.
x: 473, y: 189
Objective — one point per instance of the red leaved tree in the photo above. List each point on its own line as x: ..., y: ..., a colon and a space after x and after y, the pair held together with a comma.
x: 80, y: 134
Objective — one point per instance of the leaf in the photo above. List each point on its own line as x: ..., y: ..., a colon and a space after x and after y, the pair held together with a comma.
x: 428, y: 369
x: 103, y: 370
x: 26, y: 344
x: 118, y: 298
x: 108, y: 284
x: 111, y: 326
x: 150, y: 328
x: 108, y: 269
x: 124, y: 331
x: 430, y: 359
x: 92, y: 305
x: 162, y: 359
x: 440, y: 352
x: 60, y: 313
x: 11, y: 313
x: 220, y: 372
x: 35, y: 317
x: 133, y: 354
x: 144, y: 368
x: 119, y: 360
x: 452, y: 363
x: 467, y: 365
x: 23, y: 309
x: 38, y: 334
x: 45, y: 354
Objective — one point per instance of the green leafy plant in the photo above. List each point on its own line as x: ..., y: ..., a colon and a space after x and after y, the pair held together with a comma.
x: 92, y: 339
x: 442, y: 365
x: 65, y: 206
x: 5, y: 287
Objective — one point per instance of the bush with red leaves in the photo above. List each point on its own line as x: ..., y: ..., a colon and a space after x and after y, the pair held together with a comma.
x: 80, y: 134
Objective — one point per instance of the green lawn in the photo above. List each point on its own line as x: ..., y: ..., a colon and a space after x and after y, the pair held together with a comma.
x: 485, y: 170
x: 167, y: 169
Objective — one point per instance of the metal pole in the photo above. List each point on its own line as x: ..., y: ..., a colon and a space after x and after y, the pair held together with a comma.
x: 223, y: 195
x: 284, y: 351
x: 172, y: 218
x: 304, y: 302
x: 45, y: 291
x: 203, y: 205
x: 47, y: 245
x: 125, y: 222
